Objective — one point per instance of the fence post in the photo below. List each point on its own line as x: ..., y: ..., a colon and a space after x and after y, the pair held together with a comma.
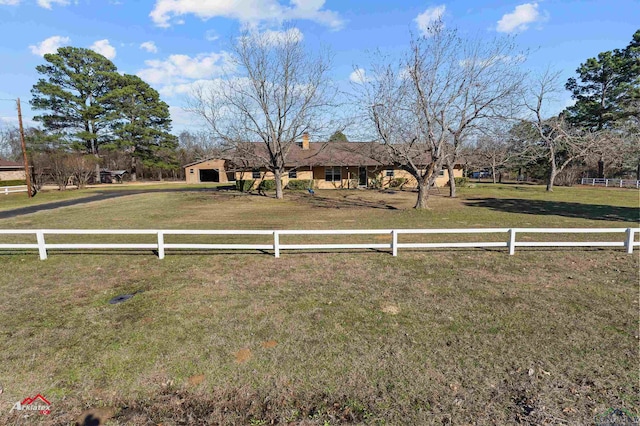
x: 629, y: 240
x: 42, y: 248
x: 512, y: 242
x: 160, y: 245
x: 394, y: 242
x: 276, y: 243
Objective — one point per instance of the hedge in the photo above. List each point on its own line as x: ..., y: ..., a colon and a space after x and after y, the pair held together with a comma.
x: 267, y: 185
x: 300, y: 184
x: 16, y: 182
x: 245, y: 185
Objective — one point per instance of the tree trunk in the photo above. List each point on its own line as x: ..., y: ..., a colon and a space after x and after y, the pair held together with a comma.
x: 160, y: 175
x: 423, y: 194
x: 134, y: 176
x: 98, y: 170
x: 277, y: 173
x: 600, y: 168
x: 452, y: 181
x: 552, y: 177
x: 493, y: 173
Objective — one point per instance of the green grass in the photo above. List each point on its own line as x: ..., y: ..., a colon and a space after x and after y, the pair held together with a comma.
x: 429, y: 337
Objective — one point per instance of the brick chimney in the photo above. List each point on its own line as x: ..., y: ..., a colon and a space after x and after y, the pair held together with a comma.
x: 305, y: 141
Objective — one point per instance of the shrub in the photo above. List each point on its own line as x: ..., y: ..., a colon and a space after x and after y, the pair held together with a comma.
x: 16, y: 182
x: 398, y: 183
x: 267, y: 185
x: 245, y: 185
x: 300, y: 184
x: 461, y: 181
x: 353, y: 183
x: 376, y: 182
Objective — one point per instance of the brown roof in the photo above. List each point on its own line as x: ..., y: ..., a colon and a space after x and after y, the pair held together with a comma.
x: 254, y: 154
x: 6, y: 164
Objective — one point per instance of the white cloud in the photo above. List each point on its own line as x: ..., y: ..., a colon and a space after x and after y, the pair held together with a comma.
x: 179, y: 69
x: 10, y: 2
x: 47, y: 3
x: 181, y: 118
x: 520, y: 18
x: 170, y: 90
x: 275, y: 37
x: 359, y: 76
x: 249, y: 12
x: 49, y: 45
x: 426, y: 19
x: 211, y: 35
x: 487, y: 62
x: 104, y: 48
x: 149, y: 46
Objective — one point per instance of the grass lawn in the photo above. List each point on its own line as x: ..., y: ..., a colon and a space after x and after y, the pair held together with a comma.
x: 430, y: 337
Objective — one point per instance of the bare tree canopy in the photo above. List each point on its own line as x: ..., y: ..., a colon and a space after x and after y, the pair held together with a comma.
x: 553, y: 138
x: 277, y: 93
x: 426, y: 106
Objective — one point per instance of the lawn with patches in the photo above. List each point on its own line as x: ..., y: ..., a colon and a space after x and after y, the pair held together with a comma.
x: 429, y: 337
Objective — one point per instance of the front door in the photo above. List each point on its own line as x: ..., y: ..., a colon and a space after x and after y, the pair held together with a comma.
x: 362, y: 176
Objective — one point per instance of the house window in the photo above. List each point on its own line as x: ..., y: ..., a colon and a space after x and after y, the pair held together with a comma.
x: 332, y: 174
x: 255, y: 173
x: 191, y: 171
x: 293, y: 174
x: 390, y: 173
x: 441, y: 173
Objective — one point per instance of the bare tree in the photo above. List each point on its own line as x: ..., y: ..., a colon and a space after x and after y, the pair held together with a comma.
x: 554, y: 139
x: 278, y: 93
x: 82, y: 168
x: 60, y: 168
x: 10, y: 143
x: 495, y: 150
x: 426, y: 106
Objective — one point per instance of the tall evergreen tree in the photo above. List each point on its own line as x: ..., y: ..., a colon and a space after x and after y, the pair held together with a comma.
x: 71, y: 95
x: 607, y: 91
x: 140, y: 123
x: 338, y: 136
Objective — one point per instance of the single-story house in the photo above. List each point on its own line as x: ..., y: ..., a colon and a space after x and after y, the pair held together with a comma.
x: 10, y: 170
x: 329, y: 164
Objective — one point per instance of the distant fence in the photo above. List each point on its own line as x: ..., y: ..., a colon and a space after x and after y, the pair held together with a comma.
x: 618, y: 183
x: 161, y: 245
x: 10, y: 189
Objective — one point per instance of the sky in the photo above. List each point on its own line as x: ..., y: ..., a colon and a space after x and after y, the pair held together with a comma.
x: 173, y: 44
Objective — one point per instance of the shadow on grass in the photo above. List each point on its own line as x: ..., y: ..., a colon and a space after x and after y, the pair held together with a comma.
x: 558, y: 208
x: 344, y: 202
x: 99, y: 196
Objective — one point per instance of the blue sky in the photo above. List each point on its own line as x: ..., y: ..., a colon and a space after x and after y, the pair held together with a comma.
x: 175, y: 43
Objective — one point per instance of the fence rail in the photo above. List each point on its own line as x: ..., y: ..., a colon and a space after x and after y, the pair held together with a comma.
x: 161, y: 245
x: 10, y: 189
x: 619, y: 183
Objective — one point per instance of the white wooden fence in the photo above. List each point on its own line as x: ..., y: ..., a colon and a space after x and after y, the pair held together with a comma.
x: 619, y: 183
x: 161, y: 245
x: 10, y: 189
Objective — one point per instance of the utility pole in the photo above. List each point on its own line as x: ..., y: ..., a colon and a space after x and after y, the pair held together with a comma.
x: 27, y: 170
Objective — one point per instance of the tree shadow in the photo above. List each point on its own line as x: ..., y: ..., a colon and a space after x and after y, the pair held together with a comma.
x: 345, y: 202
x: 100, y: 195
x: 558, y: 208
